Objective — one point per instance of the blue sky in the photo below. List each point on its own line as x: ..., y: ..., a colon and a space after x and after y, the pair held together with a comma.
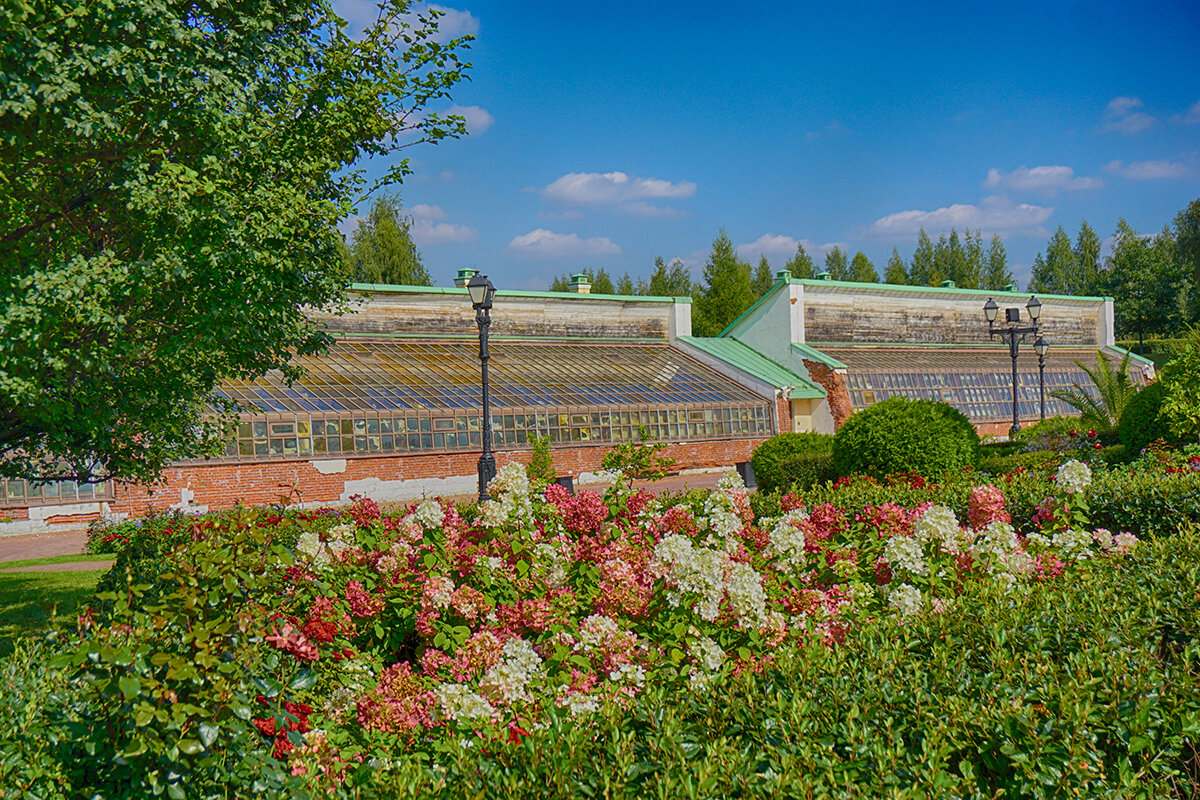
x: 606, y: 134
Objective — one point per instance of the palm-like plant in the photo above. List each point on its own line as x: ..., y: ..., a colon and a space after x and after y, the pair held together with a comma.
x: 1114, y: 390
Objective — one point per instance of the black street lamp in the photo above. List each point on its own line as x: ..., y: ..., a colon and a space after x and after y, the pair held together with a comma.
x: 1040, y: 347
x: 1013, y: 333
x: 482, y: 292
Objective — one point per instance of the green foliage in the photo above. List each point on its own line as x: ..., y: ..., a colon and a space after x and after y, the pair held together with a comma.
x: 638, y: 461
x: 30, y: 602
x: 1140, y: 423
x: 1145, y: 281
x: 1114, y: 390
x: 1004, y: 696
x: 862, y: 270
x: 540, y: 468
x: 896, y: 271
x: 764, y: 277
x: 728, y: 289
x: 837, y: 265
x: 182, y: 170
x: 31, y: 747
x: 381, y: 248
x: 901, y: 435
x: 1146, y: 503
x: 923, y: 271
x: 801, y: 264
x: 805, y: 470
x: 770, y: 455
x: 1042, y: 461
x: 996, y: 274
x: 1181, y: 382
x: 670, y: 280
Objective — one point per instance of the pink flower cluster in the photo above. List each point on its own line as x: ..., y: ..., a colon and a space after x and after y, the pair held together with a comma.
x: 987, y: 506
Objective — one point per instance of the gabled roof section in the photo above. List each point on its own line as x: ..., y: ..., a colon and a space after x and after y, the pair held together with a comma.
x: 749, y: 360
x: 813, y: 354
x: 779, y: 285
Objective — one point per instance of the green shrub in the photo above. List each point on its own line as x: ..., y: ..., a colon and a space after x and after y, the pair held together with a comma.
x: 1141, y: 423
x: 901, y: 435
x: 770, y: 455
x: 804, y: 470
x: 1044, y: 461
x: 1145, y: 503
x: 540, y: 468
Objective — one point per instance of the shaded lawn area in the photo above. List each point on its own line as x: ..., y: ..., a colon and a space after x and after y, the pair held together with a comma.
x: 71, y: 559
x: 27, y: 600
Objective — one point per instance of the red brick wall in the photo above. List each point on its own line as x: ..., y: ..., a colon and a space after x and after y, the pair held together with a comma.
x: 224, y: 485
x: 783, y: 412
x: 834, y: 384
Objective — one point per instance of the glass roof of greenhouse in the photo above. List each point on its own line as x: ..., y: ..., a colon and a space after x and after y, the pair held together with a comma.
x: 445, y: 374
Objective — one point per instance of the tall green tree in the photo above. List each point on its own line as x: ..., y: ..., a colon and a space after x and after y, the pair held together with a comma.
x: 173, y: 177
x: 670, y: 280
x: 996, y: 274
x: 949, y: 258
x: 973, y: 265
x: 602, y: 282
x: 896, y: 271
x: 862, y: 270
x: 764, y: 278
x: 801, y: 264
x: 1141, y: 275
x: 1084, y: 280
x: 381, y: 249
x: 837, y: 265
x: 1187, y: 250
x: 1052, y: 272
x: 625, y: 285
x: 923, y: 271
x: 728, y: 289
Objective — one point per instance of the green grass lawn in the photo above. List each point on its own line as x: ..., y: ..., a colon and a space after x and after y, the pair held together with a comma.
x: 34, y: 562
x: 28, y: 601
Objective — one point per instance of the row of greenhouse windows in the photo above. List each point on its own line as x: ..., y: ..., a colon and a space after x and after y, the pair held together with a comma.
x: 979, y: 396
x: 22, y: 492
x: 308, y: 436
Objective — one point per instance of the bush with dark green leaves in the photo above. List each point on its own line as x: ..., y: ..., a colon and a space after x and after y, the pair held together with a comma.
x: 769, y: 456
x: 802, y: 471
x: 901, y: 435
x: 1140, y: 423
x: 1145, y: 503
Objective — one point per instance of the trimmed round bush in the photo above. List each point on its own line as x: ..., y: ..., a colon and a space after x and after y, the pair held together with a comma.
x: 901, y: 435
x: 1140, y: 424
x: 770, y: 455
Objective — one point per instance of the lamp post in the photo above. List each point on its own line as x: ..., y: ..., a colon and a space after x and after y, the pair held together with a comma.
x: 482, y: 292
x: 1013, y: 333
x: 1040, y: 347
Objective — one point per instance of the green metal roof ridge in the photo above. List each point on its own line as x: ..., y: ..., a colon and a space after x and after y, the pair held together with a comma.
x: 474, y: 337
x: 957, y: 345
x: 406, y: 289
x: 778, y: 285
x: 816, y: 355
x: 749, y: 360
x: 1134, y: 356
x: 942, y: 289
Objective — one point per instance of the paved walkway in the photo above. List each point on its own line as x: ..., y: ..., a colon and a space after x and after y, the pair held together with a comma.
x: 42, y: 545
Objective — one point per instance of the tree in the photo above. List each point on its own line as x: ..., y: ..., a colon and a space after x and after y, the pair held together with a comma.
x: 670, y: 280
x: 923, y: 271
x: 764, y: 278
x: 1181, y: 381
x: 1187, y: 248
x: 381, y: 248
x: 896, y: 272
x: 996, y: 274
x: 728, y: 289
x: 1138, y: 275
x: 862, y: 270
x: 1051, y: 273
x: 801, y: 264
x: 625, y: 285
x: 949, y: 258
x: 601, y: 282
x: 1084, y: 280
x: 836, y: 265
x: 972, y: 274
x: 174, y: 174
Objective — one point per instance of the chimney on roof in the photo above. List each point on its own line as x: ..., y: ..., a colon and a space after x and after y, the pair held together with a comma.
x: 465, y: 274
x: 949, y: 285
x: 783, y: 276
x: 824, y: 276
x: 580, y: 284
x: 1012, y: 287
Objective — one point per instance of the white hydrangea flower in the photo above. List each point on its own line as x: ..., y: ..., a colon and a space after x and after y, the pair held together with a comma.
x: 509, y: 677
x: 633, y: 674
x: 1104, y: 538
x: 939, y: 524
x: 439, y: 588
x: 1073, y: 543
x: 731, y: 481
x: 595, y: 629
x: 1074, y: 476
x: 904, y: 552
x: 787, y: 540
x: 706, y: 654
x: 746, y: 595
x: 1125, y: 541
x: 691, y: 570
x: 551, y: 565
x: 906, y: 599
x: 579, y: 703
x: 309, y: 544
x: 428, y: 514
x: 1037, y: 540
x: 458, y: 702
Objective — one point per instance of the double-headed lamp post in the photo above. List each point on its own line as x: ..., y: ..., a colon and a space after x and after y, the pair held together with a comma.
x: 1013, y: 333
x: 482, y: 292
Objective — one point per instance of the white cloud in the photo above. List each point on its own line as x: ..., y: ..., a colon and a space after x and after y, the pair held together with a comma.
x: 1047, y: 180
x: 1189, y: 117
x: 1122, y: 116
x: 548, y: 244
x: 454, y: 23
x: 478, y: 119
x: 777, y: 247
x: 995, y: 214
x: 1148, y: 170
x: 617, y: 190
x: 426, y: 229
